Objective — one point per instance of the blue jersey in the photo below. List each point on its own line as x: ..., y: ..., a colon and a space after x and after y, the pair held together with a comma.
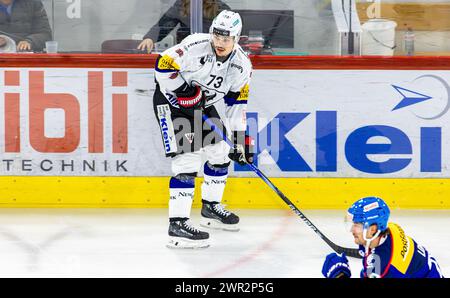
x: 399, y: 256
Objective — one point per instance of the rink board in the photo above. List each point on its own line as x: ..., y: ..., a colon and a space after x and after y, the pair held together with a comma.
x: 152, y: 192
x: 87, y: 137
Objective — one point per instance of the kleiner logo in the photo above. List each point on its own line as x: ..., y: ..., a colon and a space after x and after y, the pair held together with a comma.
x: 165, y: 129
x: 411, y: 97
x: 395, y: 153
x: 356, y: 146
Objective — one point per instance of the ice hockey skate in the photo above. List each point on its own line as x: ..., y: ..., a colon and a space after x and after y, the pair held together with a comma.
x: 215, y: 216
x: 183, y: 235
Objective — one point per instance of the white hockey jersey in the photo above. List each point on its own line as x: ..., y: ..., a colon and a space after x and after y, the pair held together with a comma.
x: 194, y: 61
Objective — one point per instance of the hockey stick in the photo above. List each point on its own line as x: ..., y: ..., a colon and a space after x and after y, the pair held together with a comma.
x: 351, y: 252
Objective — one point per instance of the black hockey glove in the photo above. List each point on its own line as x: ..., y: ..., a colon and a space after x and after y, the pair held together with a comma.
x: 190, y: 97
x: 243, y: 150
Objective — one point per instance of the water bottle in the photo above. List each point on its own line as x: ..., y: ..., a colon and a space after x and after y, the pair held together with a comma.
x: 409, y: 42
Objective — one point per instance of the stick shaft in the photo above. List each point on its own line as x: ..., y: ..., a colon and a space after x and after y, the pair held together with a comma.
x: 351, y: 252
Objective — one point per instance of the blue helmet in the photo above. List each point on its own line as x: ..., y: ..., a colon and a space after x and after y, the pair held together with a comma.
x: 369, y: 211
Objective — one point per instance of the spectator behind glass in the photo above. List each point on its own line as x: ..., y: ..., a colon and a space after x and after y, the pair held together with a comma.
x: 7, y: 45
x: 26, y: 22
x: 179, y: 13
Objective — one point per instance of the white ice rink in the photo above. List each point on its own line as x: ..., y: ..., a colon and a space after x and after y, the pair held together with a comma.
x: 131, y: 243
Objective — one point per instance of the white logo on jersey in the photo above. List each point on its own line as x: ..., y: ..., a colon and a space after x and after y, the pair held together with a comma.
x: 209, y: 95
x: 207, y: 58
x: 190, y: 137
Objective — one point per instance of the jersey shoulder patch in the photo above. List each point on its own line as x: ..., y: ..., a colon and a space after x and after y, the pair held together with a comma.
x: 402, y: 248
x: 243, y: 94
x: 166, y: 63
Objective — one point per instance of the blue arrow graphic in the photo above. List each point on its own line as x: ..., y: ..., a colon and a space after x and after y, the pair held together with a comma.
x: 408, y: 99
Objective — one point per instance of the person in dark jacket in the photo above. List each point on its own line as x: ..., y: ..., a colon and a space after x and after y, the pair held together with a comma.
x: 26, y: 22
x: 179, y: 13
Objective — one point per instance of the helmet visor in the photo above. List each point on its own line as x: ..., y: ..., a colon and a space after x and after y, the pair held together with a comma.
x: 217, y: 38
x: 352, y: 226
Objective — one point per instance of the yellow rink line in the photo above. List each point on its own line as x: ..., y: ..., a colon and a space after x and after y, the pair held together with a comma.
x: 152, y: 192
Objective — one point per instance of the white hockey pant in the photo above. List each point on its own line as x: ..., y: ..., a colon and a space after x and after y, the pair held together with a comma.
x: 182, y: 187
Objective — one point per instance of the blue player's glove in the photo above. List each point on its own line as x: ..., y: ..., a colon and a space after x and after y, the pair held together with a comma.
x: 336, y: 266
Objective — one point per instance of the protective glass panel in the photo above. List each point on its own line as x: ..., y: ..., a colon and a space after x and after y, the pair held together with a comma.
x: 282, y: 27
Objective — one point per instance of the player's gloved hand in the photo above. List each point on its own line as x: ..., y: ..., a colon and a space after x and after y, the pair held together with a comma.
x: 190, y: 97
x: 336, y: 266
x: 242, y: 151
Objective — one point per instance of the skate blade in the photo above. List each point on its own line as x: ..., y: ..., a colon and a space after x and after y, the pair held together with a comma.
x: 181, y: 243
x: 216, y: 224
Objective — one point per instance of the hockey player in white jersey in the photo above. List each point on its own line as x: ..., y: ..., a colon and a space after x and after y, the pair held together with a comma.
x: 191, y: 77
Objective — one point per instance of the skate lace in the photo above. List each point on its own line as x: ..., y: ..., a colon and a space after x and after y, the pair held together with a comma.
x: 188, y: 226
x: 219, y: 208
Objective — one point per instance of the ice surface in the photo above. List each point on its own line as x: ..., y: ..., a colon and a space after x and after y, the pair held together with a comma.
x: 131, y: 243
